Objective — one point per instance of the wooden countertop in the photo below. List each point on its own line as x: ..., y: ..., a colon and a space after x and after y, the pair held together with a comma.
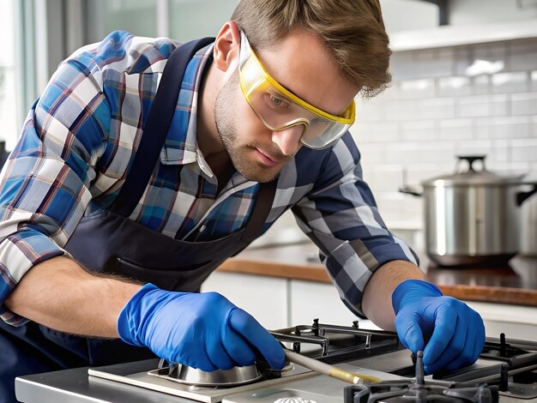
x: 514, y: 284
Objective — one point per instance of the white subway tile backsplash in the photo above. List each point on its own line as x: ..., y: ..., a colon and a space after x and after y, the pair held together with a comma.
x: 524, y: 142
x: 401, y: 110
x: 371, y: 153
x: 508, y: 127
x: 435, y: 62
x: 391, y: 92
x: 481, y: 128
x: 384, y: 177
x: 481, y: 105
x: 524, y: 104
x: 426, y: 152
x: 454, y: 86
x: 417, y: 173
x: 421, y: 130
x: 510, y: 82
x: 397, y: 207
x: 500, y: 105
x: 524, y: 150
x: 474, y: 147
x: 437, y: 108
x: 412, y: 89
x: 481, y: 85
x: 376, y: 132
x: 434, y: 112
x: 368, y: 110
x: 455, y: 129
x: 501, y: 150
x: 402, y: 66
x: 474, y: 106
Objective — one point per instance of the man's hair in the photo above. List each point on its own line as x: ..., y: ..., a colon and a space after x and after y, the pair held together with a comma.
x: 352, y: 30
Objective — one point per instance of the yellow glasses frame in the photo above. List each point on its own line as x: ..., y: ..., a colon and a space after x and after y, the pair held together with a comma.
x: 343, y: 122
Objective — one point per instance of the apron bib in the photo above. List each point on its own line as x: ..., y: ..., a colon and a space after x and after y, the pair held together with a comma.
x: 109, y: 242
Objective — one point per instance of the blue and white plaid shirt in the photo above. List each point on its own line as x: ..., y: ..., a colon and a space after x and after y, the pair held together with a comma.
x: 79, y: 140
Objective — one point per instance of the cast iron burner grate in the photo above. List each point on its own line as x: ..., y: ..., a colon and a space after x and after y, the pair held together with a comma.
x: 420, y: 391
x: 334, y: 344
x: 510, y: 366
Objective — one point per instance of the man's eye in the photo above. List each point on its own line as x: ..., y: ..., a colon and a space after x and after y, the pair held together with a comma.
x: 278, y: 102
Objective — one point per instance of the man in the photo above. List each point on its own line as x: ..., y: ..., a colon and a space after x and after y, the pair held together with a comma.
x: 108, y: 231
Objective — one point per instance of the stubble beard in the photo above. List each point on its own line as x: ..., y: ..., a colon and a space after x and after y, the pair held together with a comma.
x: 226, y: 125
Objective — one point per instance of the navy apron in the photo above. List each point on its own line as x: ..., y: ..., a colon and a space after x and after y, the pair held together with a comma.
x: 109, y: 242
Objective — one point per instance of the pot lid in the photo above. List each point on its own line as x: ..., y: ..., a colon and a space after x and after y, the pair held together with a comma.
x: 472, y: 176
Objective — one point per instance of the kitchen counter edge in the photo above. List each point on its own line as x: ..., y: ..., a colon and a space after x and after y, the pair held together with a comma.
x: 300, y: 262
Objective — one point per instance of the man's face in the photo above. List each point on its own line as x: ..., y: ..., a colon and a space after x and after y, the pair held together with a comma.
x: 302, y: 65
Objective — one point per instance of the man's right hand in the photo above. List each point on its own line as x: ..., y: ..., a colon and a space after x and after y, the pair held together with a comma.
x: 203, y: 330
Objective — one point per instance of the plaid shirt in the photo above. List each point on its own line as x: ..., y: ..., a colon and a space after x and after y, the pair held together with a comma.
x: 79, y: 140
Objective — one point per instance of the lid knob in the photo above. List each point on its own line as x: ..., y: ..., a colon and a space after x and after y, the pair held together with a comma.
x: 471, y: 159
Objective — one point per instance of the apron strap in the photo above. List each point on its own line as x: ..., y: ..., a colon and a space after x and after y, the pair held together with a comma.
x: 156, y: 129
x: 261, y: 210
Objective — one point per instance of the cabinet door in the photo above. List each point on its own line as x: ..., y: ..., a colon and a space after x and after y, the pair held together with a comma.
x: 313, y: 300
x: 265, y: 298
x: 516, y: 322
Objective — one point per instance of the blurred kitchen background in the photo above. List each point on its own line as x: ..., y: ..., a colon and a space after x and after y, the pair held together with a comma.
x: 464, y: 82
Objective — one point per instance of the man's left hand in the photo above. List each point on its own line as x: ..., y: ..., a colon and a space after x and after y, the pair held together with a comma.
x: 457, y: 332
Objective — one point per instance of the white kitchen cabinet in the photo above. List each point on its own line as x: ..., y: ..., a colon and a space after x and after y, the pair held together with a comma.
x: 310, y: 300
x: 517, y: 322
x: 265, y: 298
x: 278, y: 303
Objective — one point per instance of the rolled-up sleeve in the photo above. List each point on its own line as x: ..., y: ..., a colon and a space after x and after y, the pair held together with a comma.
x: 341, y: 217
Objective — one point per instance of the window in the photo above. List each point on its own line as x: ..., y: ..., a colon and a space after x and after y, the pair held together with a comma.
x: 136, y: 16
x: 10, y: 117
x: 38, y: 34
x: 193, y: 19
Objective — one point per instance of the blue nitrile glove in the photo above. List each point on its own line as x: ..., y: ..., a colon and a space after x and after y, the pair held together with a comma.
x: 457, y: 331
x: 203, y: 331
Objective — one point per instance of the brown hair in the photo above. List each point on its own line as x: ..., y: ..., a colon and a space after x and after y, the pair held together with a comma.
x: 353, y: 31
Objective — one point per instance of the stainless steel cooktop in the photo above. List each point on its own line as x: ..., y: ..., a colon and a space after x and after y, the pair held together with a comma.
x: 506, y: 372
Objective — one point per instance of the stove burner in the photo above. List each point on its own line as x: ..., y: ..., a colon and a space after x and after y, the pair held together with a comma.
x: 420, y: 392
x: 196, y: 377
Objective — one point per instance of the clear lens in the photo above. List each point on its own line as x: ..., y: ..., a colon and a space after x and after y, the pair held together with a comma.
x: 279, y: 110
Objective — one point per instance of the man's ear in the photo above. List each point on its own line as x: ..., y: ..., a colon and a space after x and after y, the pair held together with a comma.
x: 226, y: 46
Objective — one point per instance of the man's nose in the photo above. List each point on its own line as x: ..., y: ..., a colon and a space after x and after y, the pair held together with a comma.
x: 289, y: 139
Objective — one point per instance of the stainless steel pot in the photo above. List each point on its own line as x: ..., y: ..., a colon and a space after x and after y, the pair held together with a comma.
x: 472, y: 216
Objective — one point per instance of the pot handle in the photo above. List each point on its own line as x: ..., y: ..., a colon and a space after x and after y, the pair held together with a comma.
x: 521, y: 197
x: 410, y: 191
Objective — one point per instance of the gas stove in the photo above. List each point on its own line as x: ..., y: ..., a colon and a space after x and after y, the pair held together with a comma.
x: 505, y: 372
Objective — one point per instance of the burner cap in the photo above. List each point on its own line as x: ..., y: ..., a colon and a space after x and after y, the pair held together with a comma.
x: 229, y: 377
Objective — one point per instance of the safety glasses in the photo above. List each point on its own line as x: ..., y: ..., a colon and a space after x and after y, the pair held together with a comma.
x: 280, y: 109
